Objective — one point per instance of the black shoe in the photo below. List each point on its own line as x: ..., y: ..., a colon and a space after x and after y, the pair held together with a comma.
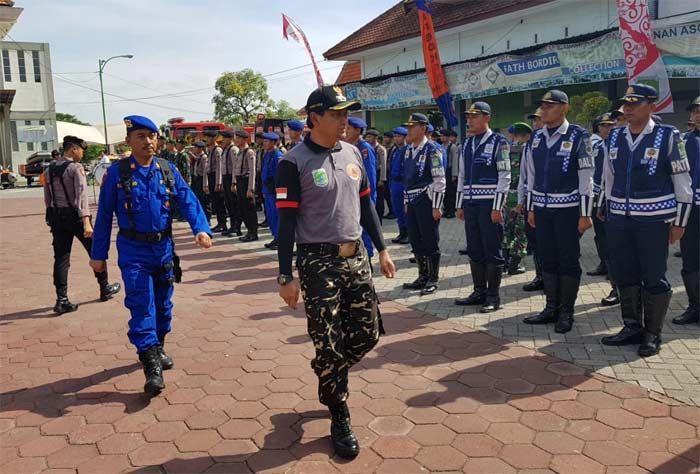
x: 249, y: 238
x: 535, y: 285
x: 165, y: 360
x: 419, y: 282
x: 631, y: 311
x: 404, y: 241
x: 401, y: 236
x: 263, y: 224
x: 678, y: 254
x: 229, y: 233
x: 611, y: 300
x: 272, y: 245
x: 109, y: 290
x: 568, y: 291
x: 515, y: 266
x: 478, y: 296
x: 390, y: 216
x: 627, y: 336
x: 550, y: 313
x: 64, y: 306
x: 431, y: 285
x: 600, y: 270
x: 463, y: 252
x: 344, y: 441
x: 153, y: 370
x: 689, y: 316
x: 650, y: 345
x: 219, y: 228
x: 412, y: 260
x: 494, y: 274
x: 692, y: 289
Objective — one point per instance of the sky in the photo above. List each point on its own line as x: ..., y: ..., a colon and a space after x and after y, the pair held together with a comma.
x: 181, y: 47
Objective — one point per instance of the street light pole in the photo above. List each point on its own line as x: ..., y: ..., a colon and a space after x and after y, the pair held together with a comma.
x: 102, y: 63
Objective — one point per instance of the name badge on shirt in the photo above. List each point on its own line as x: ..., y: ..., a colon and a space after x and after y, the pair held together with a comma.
x: 651, y: 154
x: 566, y: 147
x: 488, y: 149
x: 612, y: 154
x: 536, y: 142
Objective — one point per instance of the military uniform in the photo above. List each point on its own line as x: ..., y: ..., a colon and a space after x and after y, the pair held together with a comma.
x: 516, y: 239
x: 396, y: 177
x: 245, y: 171
x: 182, y: 163
x: 230, y: 197
x: 647, y: 186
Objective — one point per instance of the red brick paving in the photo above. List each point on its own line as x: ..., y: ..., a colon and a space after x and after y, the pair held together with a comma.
x: 433, y: 396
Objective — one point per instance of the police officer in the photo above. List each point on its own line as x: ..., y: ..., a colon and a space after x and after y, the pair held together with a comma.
x: 396, y: 186
x: 259, y: 152
x: 424, y: 184
x: 323, y: 198
x: 199, y: 175
x: 516, y: 239
x: 139, y: 191
x: 388, y: 143
x: 213, y: 184
x: 268, y: 173
x: 452, y: 171
x: 484, y: 175
x: 244, y: 170
x: 68, y: 216
x: 690, y: 243
x: 647, y: 187
x: 353, y: 135
x: 602, y: 126
x: 560, y: 201
x: 372, y: 137
x: 229, y: 190
x: 295, y: 129
x: 536, y: 284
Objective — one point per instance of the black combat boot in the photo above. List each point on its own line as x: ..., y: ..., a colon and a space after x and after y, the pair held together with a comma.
x: 568, y: 290
x: 631, y: 309
x: 433, y: 272
x: 655, y: 308
x: 401, y: 236
x: 550, y: 313
x: 612, y: 299
x: 478, y: 296
x: 344, y: 441
x: 107, y: 289
x: 64, y: 306
x: 494, y: 274
x: 419, y: 282
x: 515, y: 265
x: 536, y: 284
x: 692, y: 289
x: 165, y: 360
x: 153, y: 370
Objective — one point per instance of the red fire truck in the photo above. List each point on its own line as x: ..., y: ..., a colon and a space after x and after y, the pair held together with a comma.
x: 177, y: 128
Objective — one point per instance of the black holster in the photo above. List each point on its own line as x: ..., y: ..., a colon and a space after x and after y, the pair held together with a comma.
x: 177, y: 269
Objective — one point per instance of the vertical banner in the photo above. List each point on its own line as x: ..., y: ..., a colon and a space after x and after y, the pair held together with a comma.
x: 642, y: 57
x: 433, y: 65
x: 289, y: 28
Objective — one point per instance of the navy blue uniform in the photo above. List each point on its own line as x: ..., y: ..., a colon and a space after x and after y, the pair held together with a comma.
x: 396, y: 186
x: 690, y: 242
x: 147, y: 267
x: 268, y: 175
x: 369, y: 160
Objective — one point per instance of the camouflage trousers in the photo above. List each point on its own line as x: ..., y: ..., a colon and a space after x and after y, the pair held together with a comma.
x: 342, y: 313
x: 516, y: 240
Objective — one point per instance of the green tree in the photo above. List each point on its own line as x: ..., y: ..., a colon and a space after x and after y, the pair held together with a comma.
x: 585, y: 108
x: 240, y: 95
x: 436, y: 118
x: 280, y: 110
x: 61, y: 117
x: 92, y: 152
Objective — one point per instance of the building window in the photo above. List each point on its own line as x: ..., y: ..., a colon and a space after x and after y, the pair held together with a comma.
x: 44, y: 145
x: 566, y: 32
x: 37, y: 66
x: 30, y: 145
x: 507, y: 44
x: 22, y: 66
x: 535, y: 38
x: 483, y: 50
x: 6, y: 65
x: 13, y: 133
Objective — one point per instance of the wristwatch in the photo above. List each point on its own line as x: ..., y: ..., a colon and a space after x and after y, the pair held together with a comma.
x: 284, y: 279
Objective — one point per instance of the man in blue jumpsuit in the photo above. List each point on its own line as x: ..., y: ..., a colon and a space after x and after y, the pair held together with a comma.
x: 560, y: 201
x: 649, y: 200
x: 353, y: 135
x: 396, y: 183
x: 424, y: 183
x: 139, y: 190
x: 690, y: 243
x: 271, y: 157
x: 484, y: 181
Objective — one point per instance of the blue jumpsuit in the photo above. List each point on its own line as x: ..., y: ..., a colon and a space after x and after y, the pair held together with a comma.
x: 147, y: 268
x: 369, y: 160
x: 690, y: 243
x: 396, y: 187
x: 269, y: 172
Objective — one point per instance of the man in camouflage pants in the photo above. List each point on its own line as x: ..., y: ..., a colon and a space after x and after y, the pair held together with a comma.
x: 515, y: 238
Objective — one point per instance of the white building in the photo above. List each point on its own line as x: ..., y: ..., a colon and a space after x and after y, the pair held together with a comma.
x: 25, y: 74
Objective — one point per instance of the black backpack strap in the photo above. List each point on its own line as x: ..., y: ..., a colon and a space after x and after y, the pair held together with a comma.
x: 56, y: 171
x: 126, y: 183
x: 169, y: 181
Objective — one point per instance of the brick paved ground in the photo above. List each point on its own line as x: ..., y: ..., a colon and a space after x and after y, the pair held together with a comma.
x: 436, y: 394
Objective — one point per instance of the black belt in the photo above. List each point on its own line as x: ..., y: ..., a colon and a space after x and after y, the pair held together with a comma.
x: 332, y: 249
x: 150, y: 237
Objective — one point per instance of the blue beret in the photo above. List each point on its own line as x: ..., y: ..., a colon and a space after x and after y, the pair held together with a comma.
x: 479, y: 108
x: 137, y: 122
x: 296, y: 125
x: 400, y: 131
x: 357, y: 122
x: 637, y: 92
x: 431, y: 129
x: 270, y: 136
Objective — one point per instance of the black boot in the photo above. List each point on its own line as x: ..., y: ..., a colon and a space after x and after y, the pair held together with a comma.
x: 692, y: 289
x: 515, y: 266
x: 404, y: 241
x: 107, y: 289
x: 568, y: 290
x: 344, y: 441
x: 612, y: 299
x: 165, y: 360
x: 419, y: 282
x: 263, y: 223
x: 64, y: 306
x: 153, y: 370
x: 550, y: 313
x: 536, y: 284
x: 401, y: 236
x: 249, y: 237
x: 478, y: 296
x: 433, y: 271
x: 655, y: 308
x: 219, y: 228
x: 631, y: 309
x: 494, y: 274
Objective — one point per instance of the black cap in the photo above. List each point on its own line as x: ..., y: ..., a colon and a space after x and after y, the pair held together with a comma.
x: 536, y: 113
x: 330, y: 98
x: 200, y: 144
x: 242, y: 134
x: 417, y: 119
x: 211, y: 133
x: 555, y: 97
x: 228, y: 134
x: 614, y: 114
x: 639, y: 92
x: 693, y: 104
x: 259, y: 135
x: 373, y: 132
x: 605, y: 118
x: 55, y: 153
x: 479, y: 108
x: 452, y: 133
x: 70, y: 140
x: 389, y: 134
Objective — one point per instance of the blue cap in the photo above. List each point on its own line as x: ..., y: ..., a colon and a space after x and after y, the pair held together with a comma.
x: 138, y: 122
x: 431, y: 129
x: 400, y: 131
x: 479, y: 108
x: 270, y: 136
x: 639, y: 92
x: 555, y: 97
x: 357, y: 122
x: 417, y: 119
x: 296, y: 125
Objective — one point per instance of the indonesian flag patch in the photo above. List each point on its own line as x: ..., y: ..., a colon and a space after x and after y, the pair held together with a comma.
x: 281, y: 193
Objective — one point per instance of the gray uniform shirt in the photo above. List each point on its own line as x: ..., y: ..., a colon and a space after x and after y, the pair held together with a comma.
x: 200, y: 164
x: 229, y: 159
x: 215, y: 163
x: 245, y: 166
x: 76, y: 187
x: 381, y: 163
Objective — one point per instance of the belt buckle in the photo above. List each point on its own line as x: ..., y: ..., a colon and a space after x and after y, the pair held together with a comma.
x: 157, y: 237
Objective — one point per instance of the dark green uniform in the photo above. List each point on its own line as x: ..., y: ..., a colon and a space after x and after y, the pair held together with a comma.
x: 182, y: 163
x: 516, y: 240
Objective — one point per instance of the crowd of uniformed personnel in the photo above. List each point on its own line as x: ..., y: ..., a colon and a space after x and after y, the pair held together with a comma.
x: 535, y: 190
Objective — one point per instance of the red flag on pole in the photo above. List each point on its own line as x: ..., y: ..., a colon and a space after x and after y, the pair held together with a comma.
x: 291, y: 29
